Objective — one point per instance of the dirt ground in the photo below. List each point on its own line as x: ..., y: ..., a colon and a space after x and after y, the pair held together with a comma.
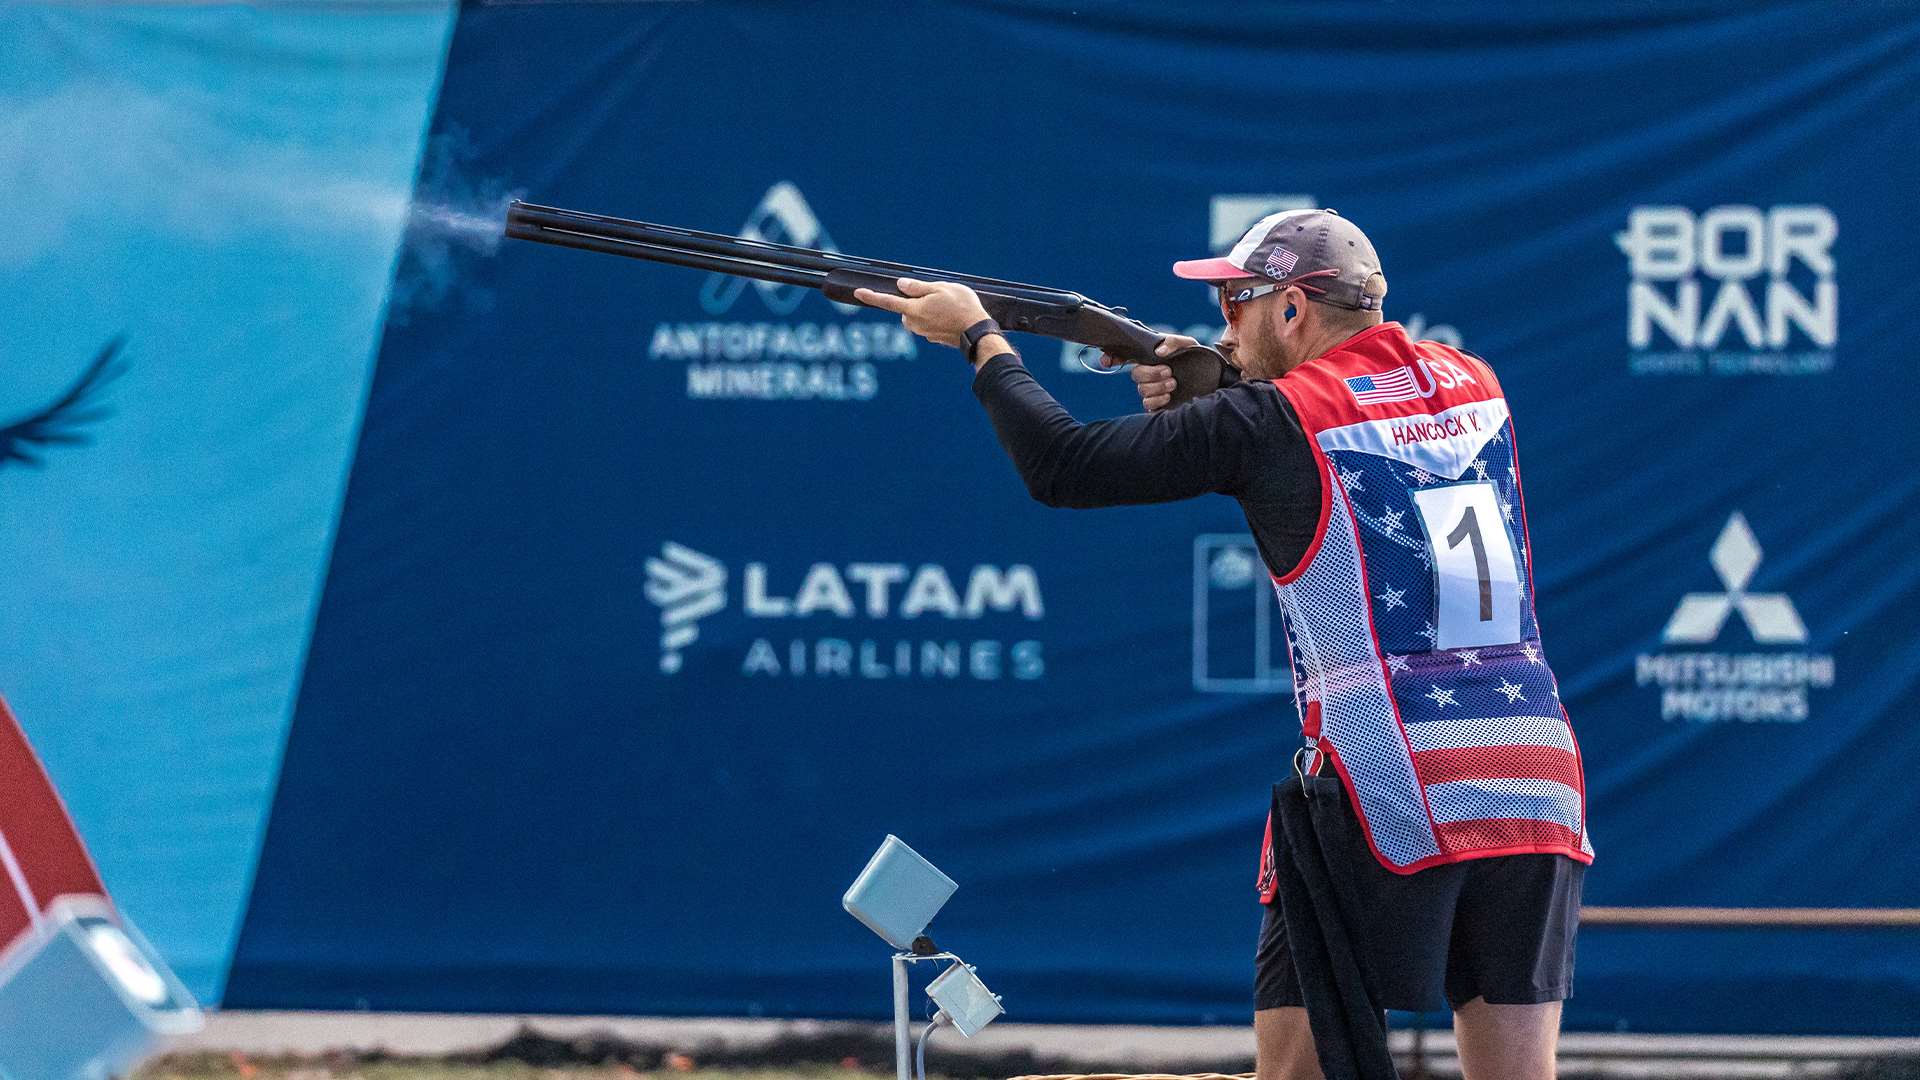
x: 240, y: 1067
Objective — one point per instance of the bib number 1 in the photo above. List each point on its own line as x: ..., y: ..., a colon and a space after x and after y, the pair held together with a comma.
x: 1476, y: 571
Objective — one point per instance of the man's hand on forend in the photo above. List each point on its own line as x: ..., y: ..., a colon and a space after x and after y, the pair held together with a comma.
x: 939, y: 311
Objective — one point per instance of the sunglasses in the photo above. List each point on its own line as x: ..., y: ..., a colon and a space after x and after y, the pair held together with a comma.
x: 1231, y: 300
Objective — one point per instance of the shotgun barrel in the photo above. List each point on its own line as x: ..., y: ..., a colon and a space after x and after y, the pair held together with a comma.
x: 1016, y: 306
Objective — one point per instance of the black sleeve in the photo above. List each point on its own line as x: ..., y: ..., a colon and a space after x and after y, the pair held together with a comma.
x: 1208, y: 445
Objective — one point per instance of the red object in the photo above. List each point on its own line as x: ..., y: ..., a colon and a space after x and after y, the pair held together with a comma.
x: 1500, y: 763
x: 41, y: 856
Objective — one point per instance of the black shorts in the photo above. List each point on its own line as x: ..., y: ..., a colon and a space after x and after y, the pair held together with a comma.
x: 1498, y: 928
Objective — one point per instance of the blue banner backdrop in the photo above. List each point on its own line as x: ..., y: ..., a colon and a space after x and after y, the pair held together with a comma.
x: 657, y: 599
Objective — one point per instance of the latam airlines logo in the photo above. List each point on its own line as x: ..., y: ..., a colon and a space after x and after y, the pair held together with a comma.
x: 1735, y: 290
x: 858, y: 601
x: 1756, y: 686
x: 687, y: 587
x: 781, y: 359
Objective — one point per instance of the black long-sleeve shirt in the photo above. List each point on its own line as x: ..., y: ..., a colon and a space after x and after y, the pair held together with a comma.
x: 1243, y: 440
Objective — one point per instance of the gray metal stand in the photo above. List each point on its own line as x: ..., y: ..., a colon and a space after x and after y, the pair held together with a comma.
x: 903, y: 1010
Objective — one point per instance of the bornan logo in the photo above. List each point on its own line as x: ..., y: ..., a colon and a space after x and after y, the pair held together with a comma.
x: 1716, y: 686
x: 1732, y: 291
x: 838, y: 360
x: 689, y: 586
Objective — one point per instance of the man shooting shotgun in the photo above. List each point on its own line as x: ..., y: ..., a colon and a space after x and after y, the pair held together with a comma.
x: 1381, y: 482
x: 1443, y: 860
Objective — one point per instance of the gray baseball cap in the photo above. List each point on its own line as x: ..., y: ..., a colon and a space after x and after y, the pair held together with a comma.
x: 1318, y: 250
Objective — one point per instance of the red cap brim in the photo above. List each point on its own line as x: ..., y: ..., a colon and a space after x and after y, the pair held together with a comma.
x: 1210, y: 270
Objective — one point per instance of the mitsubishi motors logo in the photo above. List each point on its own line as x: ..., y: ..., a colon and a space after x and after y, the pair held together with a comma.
x: 856, y: 604
x: 1763, y: 685
x: 1770, y: 617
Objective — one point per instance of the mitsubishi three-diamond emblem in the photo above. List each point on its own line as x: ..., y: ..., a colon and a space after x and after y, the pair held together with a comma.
x: 1726, y: 682
x: 1770, y: 617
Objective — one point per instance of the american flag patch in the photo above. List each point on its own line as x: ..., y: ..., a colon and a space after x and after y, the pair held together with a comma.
x: 1382, y: 387
x: 1280, y: 263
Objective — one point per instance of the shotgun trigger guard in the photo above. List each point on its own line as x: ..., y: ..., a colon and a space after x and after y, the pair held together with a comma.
x: 1084, y: 351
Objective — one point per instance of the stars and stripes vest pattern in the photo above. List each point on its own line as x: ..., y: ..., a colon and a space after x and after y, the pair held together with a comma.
x: 1416, y: 655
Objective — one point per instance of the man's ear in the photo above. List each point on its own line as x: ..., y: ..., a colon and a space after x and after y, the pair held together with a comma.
x: 1294, y: 299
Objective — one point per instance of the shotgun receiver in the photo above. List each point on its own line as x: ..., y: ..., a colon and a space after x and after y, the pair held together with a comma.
x: 1032, y: 309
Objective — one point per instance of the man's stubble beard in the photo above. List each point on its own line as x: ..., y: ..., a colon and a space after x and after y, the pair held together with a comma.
x: 1270, y: 360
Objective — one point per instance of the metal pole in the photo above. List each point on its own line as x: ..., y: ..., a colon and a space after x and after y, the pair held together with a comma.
x: 902, y: 1035
x: 1712, y: 916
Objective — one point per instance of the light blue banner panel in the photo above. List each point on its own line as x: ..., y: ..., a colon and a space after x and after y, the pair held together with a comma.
x: 211, y: 198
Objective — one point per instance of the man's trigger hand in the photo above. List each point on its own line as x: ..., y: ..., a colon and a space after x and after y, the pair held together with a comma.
x: 1155, y: 381
x: 1155, y: 384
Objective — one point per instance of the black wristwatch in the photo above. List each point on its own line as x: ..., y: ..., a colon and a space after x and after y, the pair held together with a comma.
x: 973, y: 334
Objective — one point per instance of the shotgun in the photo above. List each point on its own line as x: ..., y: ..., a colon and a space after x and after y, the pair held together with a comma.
x: 1032, y: 309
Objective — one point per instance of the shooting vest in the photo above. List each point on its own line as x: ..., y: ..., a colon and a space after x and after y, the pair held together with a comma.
x: 1416, y: 656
